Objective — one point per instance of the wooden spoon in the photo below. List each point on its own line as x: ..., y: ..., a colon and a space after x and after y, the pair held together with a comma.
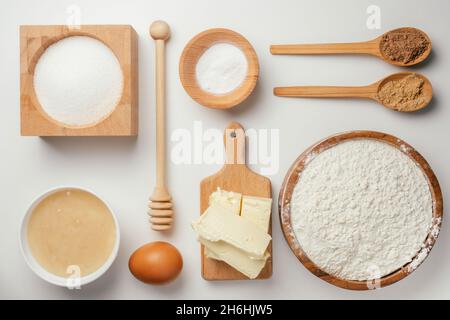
x: 160, y: 202
x: 368, y: 92
x: 372, y: 47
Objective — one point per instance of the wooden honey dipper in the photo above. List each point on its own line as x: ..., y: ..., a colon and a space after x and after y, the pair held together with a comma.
x: 160, y: 205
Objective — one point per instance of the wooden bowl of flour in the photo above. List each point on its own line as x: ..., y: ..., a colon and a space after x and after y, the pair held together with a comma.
x: 191, y: 56
x: 293, y: 176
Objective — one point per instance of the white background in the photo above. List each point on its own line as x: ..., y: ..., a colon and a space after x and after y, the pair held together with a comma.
x: 121, y: 170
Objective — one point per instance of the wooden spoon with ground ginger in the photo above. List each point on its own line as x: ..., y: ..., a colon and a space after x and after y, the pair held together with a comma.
x: 401, y: 47
x: 404, y: 91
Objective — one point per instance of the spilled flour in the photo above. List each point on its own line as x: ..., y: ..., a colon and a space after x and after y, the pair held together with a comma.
x: 361, y: 210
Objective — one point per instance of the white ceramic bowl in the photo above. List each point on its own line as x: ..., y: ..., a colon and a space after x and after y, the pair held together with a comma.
x: 44, y: 274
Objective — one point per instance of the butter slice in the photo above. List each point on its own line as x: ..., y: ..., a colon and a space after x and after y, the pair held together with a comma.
x: 236, y: 258
x: 227, y: 199
x: 217, y: 224
x: 257, y: 210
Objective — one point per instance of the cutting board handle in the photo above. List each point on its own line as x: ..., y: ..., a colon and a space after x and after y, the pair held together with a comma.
x: 234, y: 141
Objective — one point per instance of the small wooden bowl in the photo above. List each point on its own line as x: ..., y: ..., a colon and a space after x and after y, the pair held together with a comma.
x: 193, y: 51
x: 292, y: 178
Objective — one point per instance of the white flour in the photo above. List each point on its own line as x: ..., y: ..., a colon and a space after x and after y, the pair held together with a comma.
x: 78, y: 81
x: 361, y: 209
x: 221, y: 68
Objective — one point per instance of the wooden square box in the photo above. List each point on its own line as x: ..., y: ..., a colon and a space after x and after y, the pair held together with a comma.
x: 121, y: 39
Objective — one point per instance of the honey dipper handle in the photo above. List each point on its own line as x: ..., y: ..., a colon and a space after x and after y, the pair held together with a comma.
x: 160, y: 32
x: 369, y: 92
x: 367, y: 47
x: 160, y: 114
x: 234, y: 140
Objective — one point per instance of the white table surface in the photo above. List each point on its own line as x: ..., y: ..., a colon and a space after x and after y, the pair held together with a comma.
x: 121, y: 170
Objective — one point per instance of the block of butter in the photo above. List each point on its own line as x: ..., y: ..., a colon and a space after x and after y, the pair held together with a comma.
x: 238, y: 259
x: 228, y: 199
x: 217, y: 224
x: 257, y: 210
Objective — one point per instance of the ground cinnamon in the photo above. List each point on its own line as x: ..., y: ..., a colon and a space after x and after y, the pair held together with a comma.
x: 405, y: 94
x: 404, y: 45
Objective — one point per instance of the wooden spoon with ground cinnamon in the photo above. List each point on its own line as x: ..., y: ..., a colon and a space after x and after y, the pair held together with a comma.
x: 402, y: 47
x: 405, y: 92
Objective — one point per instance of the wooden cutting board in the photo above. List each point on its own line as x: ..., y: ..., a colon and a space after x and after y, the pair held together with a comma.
x: 234, y: 176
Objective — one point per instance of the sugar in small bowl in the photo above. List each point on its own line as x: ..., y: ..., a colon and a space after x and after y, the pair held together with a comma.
x: 219, y: 68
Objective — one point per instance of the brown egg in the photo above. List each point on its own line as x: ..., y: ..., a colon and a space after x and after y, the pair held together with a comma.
x: 156, y: 263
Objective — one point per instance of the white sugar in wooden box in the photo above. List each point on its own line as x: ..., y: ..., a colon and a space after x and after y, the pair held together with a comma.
x: 78, y: 82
